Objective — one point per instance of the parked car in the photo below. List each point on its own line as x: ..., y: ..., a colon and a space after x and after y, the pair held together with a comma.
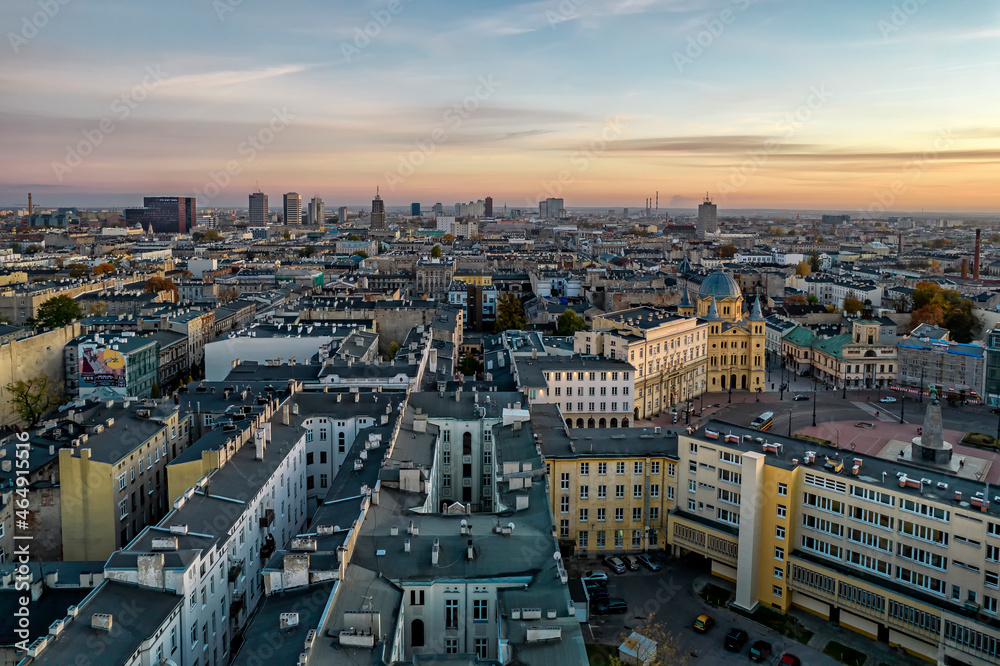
x: 789, y: 659
x: 888, y: 398
x: 703, y: 623
x: 648, y: 562
x: 631, y: 562
x: 615, y: 564
x: 760, y: 651
x: 736, y: 639
x: 595, y: 584
x: 801, y: 396
x: 613, y: 606
x: 596, y: 575
x: 598, y: 595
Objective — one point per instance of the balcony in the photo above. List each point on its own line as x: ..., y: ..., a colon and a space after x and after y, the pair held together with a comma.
x: 235, y: 569
x: 238, y: 603
x: 267, y: 550
x: 267, y: 519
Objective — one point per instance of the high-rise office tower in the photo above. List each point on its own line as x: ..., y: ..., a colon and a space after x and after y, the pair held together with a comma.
x: 342, y: 214
x: 164, y: 214
x: 551, y: 208
x: 708, y: 222
x: 258, y: 209
x: 317, y: 211
x: 415, y: 209
x: 488, y: 208
x: 293, y: 208
x: 378, y: 212
x: 439, y: 208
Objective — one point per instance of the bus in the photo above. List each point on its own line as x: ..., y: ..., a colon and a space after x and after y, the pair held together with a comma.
x: 763, y: 422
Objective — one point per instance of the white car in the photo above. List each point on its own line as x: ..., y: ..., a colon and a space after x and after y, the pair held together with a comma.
x: 596, y: 575
x: 888, y: 398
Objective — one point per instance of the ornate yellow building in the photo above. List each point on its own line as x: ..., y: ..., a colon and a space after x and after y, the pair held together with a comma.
x: 735, y: 338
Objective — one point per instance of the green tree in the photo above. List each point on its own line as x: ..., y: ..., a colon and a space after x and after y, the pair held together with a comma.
x: 354, y: 237
x: 944, y: 307
x: 393, y: 350
x: 34, y: 248
x: 154, y: 392
x: 287, y: 234
x: 436, y: 252
x: 57, y: 312
x: 211, y: 236
x: 98, y: 309
x: 510, y: 313
x: 569, y: 322
x: 814, y: 261
x: 16, y: 247
x: 32, y: 398
x: 852, y: 305
x: 812, y: 299
x: 307, y: 251
x: 470, y: 365
x: 361, y: 253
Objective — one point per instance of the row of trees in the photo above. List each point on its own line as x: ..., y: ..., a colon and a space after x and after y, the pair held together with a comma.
x: 944, y: 307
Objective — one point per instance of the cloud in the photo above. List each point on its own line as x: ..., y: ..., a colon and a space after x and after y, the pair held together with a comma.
x: 213, y: 80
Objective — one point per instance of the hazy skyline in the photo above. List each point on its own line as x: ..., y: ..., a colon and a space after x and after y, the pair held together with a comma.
x: 764, y: 104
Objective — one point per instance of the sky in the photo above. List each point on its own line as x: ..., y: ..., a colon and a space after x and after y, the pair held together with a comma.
x: 854, y: 105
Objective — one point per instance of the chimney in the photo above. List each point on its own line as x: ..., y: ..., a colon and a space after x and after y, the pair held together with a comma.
x: 975, y: 260
x: 965, y: 268
x: 899, y: 246
x: 284, y: 415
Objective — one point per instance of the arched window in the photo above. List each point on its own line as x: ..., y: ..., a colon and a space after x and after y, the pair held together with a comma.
x: 417, y: 633
x: 624, y: 423
x: 569, y: 423
x: 590, y: 423
x: 579, y: 423
x: 614, y: 423
x: 602, y: 423
x: 467, y: 444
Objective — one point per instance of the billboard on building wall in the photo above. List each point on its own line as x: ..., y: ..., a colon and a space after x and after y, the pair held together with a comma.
x: 101, y: 366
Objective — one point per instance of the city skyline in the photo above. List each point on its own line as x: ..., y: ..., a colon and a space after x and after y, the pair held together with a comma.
x: 766, y: 105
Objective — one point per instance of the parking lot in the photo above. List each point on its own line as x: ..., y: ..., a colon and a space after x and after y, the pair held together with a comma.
x: 669, y: 597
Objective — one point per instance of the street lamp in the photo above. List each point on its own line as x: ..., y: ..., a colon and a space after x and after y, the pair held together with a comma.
x: 921, y: 384
x: 790, y: 422
x: 814, y: 404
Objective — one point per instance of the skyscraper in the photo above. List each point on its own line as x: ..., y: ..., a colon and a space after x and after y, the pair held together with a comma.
x: 551, y: 208
x: 317, y: 211
x: 378, y: 212
x: 293, y: 208
x: 488, y: 209
x: 415, y: 210
x: 342, y: 214
x: 258, y: 209
x: 164, y: 214
x: 708, y: 223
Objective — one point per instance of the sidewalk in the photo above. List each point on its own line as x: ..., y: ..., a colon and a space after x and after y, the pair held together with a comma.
x: 824, y: 632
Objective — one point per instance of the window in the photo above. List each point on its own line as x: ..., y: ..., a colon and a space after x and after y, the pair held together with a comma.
x: 692, y: 486
x: 637, y: 514
x: 602, y: 491
x: 779, y: 572
x: 601, y: 514
x: 654, y: 513
x: 637, y: 467
x: 602, y: 468
x: 564, y: 481
x: 671, y: 469
x: 654, y: 490
x: 691, y: 505
x: 323, y: 481
x: 783, y: 490
x: 451, y: 614
x: 480, y: 610
x: 670, y: 492
x: 416, y: 597
x: 564, y: 505
x: 619, y: 491
x: 654, y: 467
x: 779, y: 553
x: 637, y: 490
x: 776, y: 590
x: 619, y: 468
x: 619, y: 538
x: 584, y: 515
x: 309, y: 458
x: 584, y: 492
x: 122, y: 509
x: 582, y: 539
x: 564, y: 528
x: 451, y: 644
x: 600, y: 538
x: 584, y: 469
x: 619, y: 514
x: 446, y: 458
x: 782, y: 511
x: 779, y: 532
x: 482, y: 648
x: 121, y: 480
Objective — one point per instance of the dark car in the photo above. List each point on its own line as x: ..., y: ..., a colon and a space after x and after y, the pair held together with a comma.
x: 736, y: 639
x: 615, y: 564
x: 788, y: 659
x: 648, y: 562
x: 613, y: 606
x: 760, y: 651
x: 801, y: 396
x: 598, y: 595
x: 631, y: 562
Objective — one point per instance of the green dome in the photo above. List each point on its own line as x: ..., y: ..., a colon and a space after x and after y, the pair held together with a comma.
x: 721, y: 285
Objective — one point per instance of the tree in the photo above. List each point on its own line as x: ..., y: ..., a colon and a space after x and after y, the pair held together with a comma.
x: 287, y: 234
x: 15, y: 247
x: 229, y: 295
x: 448, y: 238
x: 98, y: 309
x: 361, y: 253
x: 32, y: 398
x: 944, y: 307
x: 796, y: 299
x: 852, y: 305
x: 569, y: 322
x: 812, y: 299
x: 930, y: 314
x: 814, y: 261
x: 803, y: 269
x: 57, y: 312
x: 470, y: 365
x: 307, y: 251
x: 211, y: 236
x: 662, y: 648
x: 59, y: 262
x: 354, y: 237
x: 510, y: 313
x: 436, y: 252
x: 727, y: 251
x: 34, y: 248
x: 393, y: 350
x: 104, y: 268
x: 154, y: 392
x: 156, y: 284
x: 78, y: 270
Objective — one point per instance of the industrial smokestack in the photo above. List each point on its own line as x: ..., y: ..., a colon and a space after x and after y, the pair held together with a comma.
x: 965, y: 268
x: 30, y: 206
x: 975, y: 260
x: 899, y: 248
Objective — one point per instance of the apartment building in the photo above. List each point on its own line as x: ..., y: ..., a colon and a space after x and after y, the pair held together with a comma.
x: 112, y: 477
x: 859, y: 359
x: 928, y: 357
x: 591, y: 392
x: 611, y: 489
x: 900, y: 553
x: 669, y: 354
